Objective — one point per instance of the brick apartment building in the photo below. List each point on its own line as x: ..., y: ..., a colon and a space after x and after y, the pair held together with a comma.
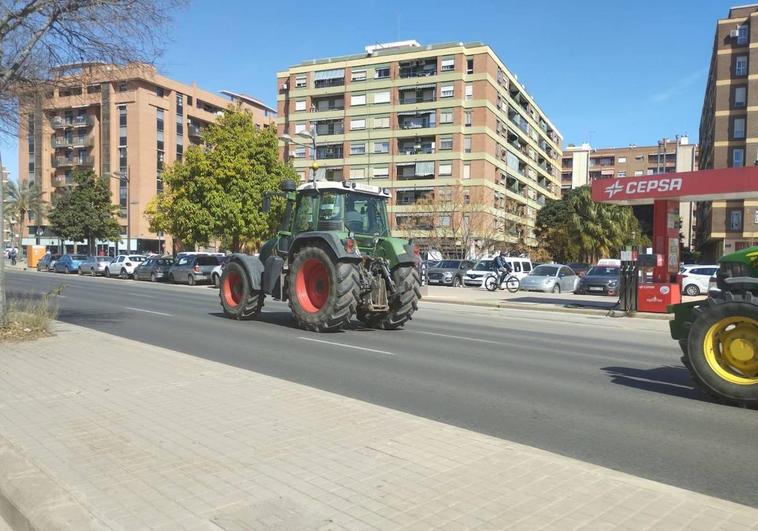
x: 728, y: 126
x: 423, y: 121
x: 581, y: 165
x: 126, y: 123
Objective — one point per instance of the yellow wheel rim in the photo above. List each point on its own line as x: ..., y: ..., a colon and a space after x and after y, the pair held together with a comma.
x: 731, y: 349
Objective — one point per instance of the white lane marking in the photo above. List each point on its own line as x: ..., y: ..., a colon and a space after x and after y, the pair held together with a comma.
x: 344, y: 345
x: 458, y: 337
x: 148, y: 311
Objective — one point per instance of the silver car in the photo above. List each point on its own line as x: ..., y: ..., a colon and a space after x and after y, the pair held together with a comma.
x: 553, y: 278
x: 193, y: 269
x: 94, y: 265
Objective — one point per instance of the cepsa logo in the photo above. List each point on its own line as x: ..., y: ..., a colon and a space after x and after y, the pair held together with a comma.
x: 641, y: 187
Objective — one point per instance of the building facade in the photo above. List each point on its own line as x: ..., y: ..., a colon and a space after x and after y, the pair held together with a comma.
x: 124, y: 123
x: 728, y: 130
x: 582, y: 165
x: 431, y: 123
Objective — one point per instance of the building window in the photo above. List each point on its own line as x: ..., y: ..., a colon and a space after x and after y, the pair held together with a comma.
x: 299, y: 128
x: 301, y: 81
x: 357, y: 123
x: 755, y: 217
x: 740, y: 66
x: 382, y: 72
x: 467, y: 144
x: 381, y: 173
x: 358, y: 99
x: 622, y: 174
x: 358, y: 75
x: 446, y: 168
x: 358, y: 148
x: 447, y: 64
x: 467, y: 118
x: 159, y: 92
x: 467, y: 171
x: 446, y: 116
x: 382, y: 146
x: 734, y: 219
x: 446, y: 143
x: 299, y: 152
x: 469, y: 94
x: 300, y: 105
x: 446, y: 91
x: 637, y: 173
x: 381, y: 122
x: 123, y: 86
x: 357, y: 173
x: 122, y: 125
x: 738, y: 157
x: 740, y: 97
x: 469, y: 65
x: 742, y: 35
x: 382, y: 97
x: 622, y: 160
x: 467, y: 199
x: 738, y: 128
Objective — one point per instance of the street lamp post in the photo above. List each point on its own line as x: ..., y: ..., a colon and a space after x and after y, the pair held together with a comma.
x: 120, y: 177
x: 312, y: 135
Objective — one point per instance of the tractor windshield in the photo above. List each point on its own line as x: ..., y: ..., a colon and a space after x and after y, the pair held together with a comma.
x: 360, y: 213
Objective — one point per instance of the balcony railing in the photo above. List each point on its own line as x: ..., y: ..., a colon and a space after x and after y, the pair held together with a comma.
x: 61, y: 180
x: 194, y: 130
x: 66, y: 162
x: 416, y: 122
x: 60, y: 122
x: 77, y: 141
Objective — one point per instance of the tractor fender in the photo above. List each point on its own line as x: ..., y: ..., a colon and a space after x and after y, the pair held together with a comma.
x: 253, y: 267
x: 329, y: 238
x: 271, y: 275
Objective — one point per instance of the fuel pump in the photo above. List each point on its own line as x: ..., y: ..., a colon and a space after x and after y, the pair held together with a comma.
x: 628, y: 284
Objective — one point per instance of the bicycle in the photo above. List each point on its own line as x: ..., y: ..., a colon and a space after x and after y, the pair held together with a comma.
x: 509, y: 282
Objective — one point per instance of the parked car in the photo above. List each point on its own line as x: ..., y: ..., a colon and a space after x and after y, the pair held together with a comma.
x: 192, y: 269
x: 600, y: 279
x: 154, y: 268
x: 47, y: 262
x: 579, y: 268
x: 520, y: 267
x: 551, y: 278
x: 69, y: 263
x: 219, y: 270
x: 124, y: 265
x: 448, y: 272
x: 94, y: 265
x: 695, y: 278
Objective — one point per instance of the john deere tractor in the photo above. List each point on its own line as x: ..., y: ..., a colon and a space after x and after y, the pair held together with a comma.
x: 719, y: 336
x: 333, y: 259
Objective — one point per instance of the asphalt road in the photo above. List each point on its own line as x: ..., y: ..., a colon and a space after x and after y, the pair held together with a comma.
x: 603, y: 390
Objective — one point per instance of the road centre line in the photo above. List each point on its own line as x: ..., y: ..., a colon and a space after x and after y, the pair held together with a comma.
x: 345, y: 345
x: 148, y: 311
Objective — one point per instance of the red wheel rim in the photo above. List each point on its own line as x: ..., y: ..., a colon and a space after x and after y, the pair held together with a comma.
x: 233, y: 289
x: 312, y: 285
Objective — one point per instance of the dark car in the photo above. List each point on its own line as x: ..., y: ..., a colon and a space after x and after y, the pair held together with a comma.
x: 154, y: 268
x: 69, y: 263
x: 601, y: 280
x: 579, y: 268
x: 47, y: 262
x: 193, y: 269
x: 448, y: 272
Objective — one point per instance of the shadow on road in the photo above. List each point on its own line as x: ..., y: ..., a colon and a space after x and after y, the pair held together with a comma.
x: 603, y: 305
x: 90, y: 317
x: 669, y: 380
x: 286, y: 320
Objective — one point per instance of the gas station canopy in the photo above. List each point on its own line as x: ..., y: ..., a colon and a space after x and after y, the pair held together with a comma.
x: 703, y: 185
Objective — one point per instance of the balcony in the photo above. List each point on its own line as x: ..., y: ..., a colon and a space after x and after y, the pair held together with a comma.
x: 60, y: 122
x: 331, y: 151
x: 416, y: 146
x: 70, y: 162
x: 416, y: 120
x: 420, y: 68
x: 329, y: 78
x: 417, y: 94
x: 328, y: 104
x: 419, y: 170
x: 194, y: 130
x: 59, y: 181
x: 76, y: 141
x: 330, y: 127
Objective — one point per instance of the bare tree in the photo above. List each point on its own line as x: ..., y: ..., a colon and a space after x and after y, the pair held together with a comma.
x: 37, y: 36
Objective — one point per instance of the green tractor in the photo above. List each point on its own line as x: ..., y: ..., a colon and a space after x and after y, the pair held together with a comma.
x: 719, y: 336
x: 333, y: 259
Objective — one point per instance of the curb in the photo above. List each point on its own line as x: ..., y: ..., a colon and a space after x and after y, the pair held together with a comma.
x: 31, y: 500
x: 551, y: 308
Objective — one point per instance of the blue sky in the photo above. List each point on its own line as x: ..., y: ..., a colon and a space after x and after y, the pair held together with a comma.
x: 608, y: 72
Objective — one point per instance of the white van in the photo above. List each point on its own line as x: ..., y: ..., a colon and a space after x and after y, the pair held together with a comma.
x: 520, y: 267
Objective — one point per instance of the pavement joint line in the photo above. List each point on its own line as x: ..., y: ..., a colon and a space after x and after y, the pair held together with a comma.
x: 148, y: 311
x: 345, y: 345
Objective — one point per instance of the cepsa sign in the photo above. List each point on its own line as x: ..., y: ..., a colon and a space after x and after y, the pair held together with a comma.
x: 727, y: 183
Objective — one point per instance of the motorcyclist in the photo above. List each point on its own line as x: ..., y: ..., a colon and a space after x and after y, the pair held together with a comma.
x: 502, y: 267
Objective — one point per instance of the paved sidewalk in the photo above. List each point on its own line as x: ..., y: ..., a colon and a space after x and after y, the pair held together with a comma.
x: 99, y: 432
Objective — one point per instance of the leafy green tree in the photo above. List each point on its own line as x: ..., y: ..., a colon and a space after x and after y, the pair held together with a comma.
x: 85, y: 211
x: 24, y: 201
x: 217, y: 191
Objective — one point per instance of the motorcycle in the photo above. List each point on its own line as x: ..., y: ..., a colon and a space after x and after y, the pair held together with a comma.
x: 509, y: 282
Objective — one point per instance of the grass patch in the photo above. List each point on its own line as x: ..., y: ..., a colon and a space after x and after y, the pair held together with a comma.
x: 30, y: 317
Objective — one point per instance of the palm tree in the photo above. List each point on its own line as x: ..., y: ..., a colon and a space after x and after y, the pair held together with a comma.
x: 24, y: 199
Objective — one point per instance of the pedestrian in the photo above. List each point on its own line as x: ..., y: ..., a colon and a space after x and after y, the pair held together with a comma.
x: 13, y: 254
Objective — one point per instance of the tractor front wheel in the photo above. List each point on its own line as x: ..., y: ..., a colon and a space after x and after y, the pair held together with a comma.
x: 402, y: 303
x: 722, y: 349
x: 323, y: 293
x: 238, y: 299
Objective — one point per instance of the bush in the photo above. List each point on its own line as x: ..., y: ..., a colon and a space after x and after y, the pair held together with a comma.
x: 30, y: 317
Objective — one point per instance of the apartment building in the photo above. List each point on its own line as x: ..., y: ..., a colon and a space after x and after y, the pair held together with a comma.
x: 728, y: 126
x: 583, y: 164
x: 427, y: 122
x: 125, y: 123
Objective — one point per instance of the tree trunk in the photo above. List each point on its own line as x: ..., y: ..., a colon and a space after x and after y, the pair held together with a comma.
x: 235, y: 243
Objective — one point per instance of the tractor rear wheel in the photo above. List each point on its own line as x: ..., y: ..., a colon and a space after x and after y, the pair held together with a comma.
x: 402, y: 303
x: 722, y: 349
x: 323, y: 293
x: 238, y: 299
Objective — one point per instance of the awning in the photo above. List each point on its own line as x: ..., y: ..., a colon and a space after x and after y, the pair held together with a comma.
x: 329, y: 74
x: 413, y: 113
x: 419, y: 87
x: 448, y: 62
x: 607, y: 172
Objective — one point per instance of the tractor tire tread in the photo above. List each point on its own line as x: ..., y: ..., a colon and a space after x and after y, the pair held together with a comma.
x: 402, y: 305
